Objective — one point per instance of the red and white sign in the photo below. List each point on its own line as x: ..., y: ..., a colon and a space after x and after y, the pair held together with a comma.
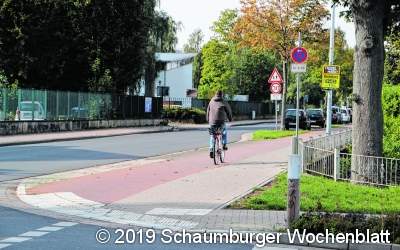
x: 275, y: 88
x: 275, y: 77
x: 299, y: 55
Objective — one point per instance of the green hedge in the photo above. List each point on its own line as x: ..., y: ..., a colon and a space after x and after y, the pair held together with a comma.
x: 338, y: 223
x: 185, y: 114
x: 391, y: 109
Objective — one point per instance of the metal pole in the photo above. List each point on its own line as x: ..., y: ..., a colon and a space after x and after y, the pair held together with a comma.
x: 331, y: 58
x: 276, y: 115
x: 298, y: 102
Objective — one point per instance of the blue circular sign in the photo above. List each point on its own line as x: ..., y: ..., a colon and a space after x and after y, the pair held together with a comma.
x: 299, y: 55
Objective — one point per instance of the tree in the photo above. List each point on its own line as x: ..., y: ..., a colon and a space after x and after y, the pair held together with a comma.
x: 162, y: 38
x: 217, y: 72
x: 372, y: 20
x: 392, y: 61
x: 274, y: 24
x: 80, y: 45
x: 194, y: 43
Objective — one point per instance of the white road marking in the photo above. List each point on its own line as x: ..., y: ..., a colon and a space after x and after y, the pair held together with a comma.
x: 273, y: 248
x: 36, y: 233
x: 65, y: 224
x: 15, y: 239
x: 179, y: 211
x: 71, y: 204
x: 33, y: 234
x: 50, y: 229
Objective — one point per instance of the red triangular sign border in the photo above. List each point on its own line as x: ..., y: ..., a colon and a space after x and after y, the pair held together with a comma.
x: 275, y: 71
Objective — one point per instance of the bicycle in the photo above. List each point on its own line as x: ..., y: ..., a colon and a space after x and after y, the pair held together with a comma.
x: 218, y: 152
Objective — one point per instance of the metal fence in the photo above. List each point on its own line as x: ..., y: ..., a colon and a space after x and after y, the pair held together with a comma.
x: 37, y: 105
x: 323, y: 156
x: 239, y: 108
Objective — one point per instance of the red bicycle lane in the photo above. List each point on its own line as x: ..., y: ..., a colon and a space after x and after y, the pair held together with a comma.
x: 114, y: 185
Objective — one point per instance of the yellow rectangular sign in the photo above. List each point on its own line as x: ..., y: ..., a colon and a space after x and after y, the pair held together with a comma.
x: 330, y: 77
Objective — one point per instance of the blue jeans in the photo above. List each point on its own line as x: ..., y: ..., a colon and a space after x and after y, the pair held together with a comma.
x: 224, y: 137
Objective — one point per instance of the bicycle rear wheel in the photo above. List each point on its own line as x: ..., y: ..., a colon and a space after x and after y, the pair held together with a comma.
x: 221, y: 151
x: 215, y: 150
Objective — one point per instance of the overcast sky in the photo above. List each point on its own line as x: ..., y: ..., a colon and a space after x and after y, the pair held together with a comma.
x: 201, y: 14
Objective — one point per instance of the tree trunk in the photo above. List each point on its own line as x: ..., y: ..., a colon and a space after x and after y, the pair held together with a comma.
x: 367, y: 86
x: 284, y: 89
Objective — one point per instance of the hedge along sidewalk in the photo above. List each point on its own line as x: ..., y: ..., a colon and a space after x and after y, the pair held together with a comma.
x: 325, y: 195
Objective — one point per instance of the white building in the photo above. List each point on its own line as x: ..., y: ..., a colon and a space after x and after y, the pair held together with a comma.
x: 177, y: 74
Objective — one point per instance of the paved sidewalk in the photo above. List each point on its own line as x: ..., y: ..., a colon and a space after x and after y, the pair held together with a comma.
x: 77, y: 135
x: 178, y: 191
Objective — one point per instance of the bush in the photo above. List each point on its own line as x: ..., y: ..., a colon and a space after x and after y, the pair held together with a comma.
x: 391, y: 109
x: 338, y: 223
x: 185, y: 114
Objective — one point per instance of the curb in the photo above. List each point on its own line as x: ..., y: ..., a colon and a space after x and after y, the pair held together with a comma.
x: 168, y: 129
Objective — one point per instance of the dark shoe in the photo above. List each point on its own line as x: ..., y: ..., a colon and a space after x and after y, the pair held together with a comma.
x: 211, y: 154
x: 224, y: 147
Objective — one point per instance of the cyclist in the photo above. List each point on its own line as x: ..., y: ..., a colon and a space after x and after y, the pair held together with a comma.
x: 218, y: 111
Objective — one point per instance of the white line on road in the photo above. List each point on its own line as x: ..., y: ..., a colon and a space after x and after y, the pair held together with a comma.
x: 178, y: 211
x: 33, y: 234
x: 65, y: 224
x: 36, y: 233
x: 50, y: 229
x: 15, y: 239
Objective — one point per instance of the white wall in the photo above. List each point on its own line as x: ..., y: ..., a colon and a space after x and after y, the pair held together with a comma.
x: 179, y: 80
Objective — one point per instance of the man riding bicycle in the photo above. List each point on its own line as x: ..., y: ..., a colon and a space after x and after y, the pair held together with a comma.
x: 218, y: 112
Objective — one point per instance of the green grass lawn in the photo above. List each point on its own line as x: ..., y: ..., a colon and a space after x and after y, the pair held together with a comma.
x: 273, y: 134
x: 322, y: 194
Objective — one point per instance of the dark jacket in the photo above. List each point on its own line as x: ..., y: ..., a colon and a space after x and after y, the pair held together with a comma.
x: 218, y: 111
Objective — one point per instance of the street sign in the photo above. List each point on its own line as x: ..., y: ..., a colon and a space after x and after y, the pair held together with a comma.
x: 299, y: 55
x: 148, y: 101
x: 298, y: 68
x: 275, y: 77
x: 276, y: 97
x: 330, y: 77
x: 276, y: 88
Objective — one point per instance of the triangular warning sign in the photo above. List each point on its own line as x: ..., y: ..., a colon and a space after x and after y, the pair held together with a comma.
x: 275, y: 77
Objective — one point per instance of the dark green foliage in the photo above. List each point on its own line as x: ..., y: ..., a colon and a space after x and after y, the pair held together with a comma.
x: 391, y: 109
x: 336, y: 223
x: 75, y: 44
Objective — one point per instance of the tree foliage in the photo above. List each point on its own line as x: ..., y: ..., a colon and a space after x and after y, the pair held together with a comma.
x: 274, y: 24
x: 194, y: 43
x: 82, y: 44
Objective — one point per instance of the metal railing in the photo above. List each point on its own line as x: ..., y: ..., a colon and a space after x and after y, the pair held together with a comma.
x: 53, y: 105
x: 323, y: 156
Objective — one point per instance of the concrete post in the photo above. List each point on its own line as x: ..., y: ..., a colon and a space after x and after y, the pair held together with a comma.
x: 293, y: 204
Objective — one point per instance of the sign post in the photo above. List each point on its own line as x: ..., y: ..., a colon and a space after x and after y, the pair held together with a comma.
x: 331, y: 58
x: 299, y: 57
x: 275, y: 80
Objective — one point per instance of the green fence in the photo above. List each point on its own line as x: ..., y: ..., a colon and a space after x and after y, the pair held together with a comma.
x: 30, y: 104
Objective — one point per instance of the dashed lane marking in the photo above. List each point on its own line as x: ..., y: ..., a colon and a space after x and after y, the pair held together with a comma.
x: 4, y: 245
x: 35, y: 233
x: 15, y: 239
x: 50, y: 229
x: 179, y: 211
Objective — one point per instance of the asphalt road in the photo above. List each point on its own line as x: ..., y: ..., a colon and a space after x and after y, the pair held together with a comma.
x: 20, y: 230
x: 38, y: 159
